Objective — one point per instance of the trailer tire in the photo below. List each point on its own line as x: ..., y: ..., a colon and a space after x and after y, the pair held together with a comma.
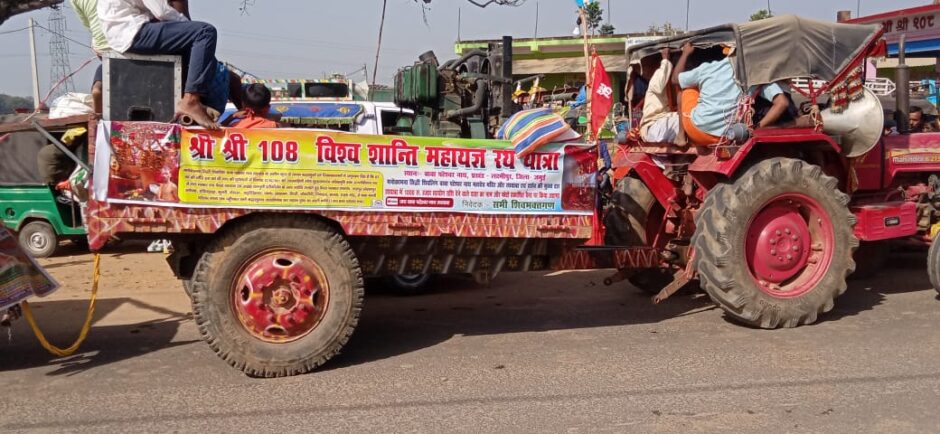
x: 773, y: 248
x: 38, y: 238
x: 933, y: 264
x: 410, y: 284
x: 627, y: 224
x: 278, y: 295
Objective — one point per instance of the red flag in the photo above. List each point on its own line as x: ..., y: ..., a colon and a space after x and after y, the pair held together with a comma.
x: 602, y: 95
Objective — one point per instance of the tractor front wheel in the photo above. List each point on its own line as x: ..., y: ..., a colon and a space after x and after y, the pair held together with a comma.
x: 773, y: 248
x: 933, y: 264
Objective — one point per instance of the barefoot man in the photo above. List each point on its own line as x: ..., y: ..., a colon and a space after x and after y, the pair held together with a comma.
x: 155, y: 27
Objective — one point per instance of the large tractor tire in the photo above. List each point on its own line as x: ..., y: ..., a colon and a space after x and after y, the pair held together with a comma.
x: 631, y: 221
x: 933, y: 264
x: 773, y: 248
x: 277, y: 296
x: 38, y: 238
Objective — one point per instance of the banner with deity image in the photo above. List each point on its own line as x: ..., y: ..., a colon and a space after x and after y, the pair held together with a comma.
x: 330, y: 170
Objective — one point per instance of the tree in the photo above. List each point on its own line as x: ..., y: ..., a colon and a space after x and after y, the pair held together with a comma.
x: 607, y: 29
x: 9, y: 8
x: 594, y: 14
x: 9, y: 103
x: 761, y: 14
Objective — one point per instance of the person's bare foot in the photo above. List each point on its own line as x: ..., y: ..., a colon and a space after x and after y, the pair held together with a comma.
x: 190, y: 106
x: 213, y: 114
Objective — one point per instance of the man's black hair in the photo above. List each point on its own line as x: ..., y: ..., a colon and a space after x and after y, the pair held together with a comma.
x: 916, y: 109
x: 257, y: 96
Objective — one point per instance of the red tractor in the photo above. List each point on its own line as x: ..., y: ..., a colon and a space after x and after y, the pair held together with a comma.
x: 769, y: 220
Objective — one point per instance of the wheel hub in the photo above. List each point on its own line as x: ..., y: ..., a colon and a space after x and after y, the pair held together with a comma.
x: 781, y: 243
x: 37, y: 241
x: 789, y: 245
x: 280, y: 296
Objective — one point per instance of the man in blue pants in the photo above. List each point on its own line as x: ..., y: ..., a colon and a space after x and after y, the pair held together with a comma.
x: 155, y: 27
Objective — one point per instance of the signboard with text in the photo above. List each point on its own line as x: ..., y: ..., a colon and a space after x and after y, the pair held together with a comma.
x: 331, y: 170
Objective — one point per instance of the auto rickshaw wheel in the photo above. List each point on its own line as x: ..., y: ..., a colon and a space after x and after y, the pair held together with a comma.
x: 38, y: 238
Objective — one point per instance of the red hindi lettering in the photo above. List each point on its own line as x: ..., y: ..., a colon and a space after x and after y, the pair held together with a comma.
x: 235, y: 148
x: 505, y: 158
x: 329, y: 151
x: 200, y: 147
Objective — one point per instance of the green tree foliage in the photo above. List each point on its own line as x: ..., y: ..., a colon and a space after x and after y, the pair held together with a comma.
x: 9, y: 103
x: 594, y: 14
x: 761, y: 14
x: 607, y: 30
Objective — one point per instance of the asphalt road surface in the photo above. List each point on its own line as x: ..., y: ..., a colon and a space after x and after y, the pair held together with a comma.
x: 530, y: 353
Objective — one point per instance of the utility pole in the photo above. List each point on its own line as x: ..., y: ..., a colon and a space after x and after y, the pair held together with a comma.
x: 769, y: 12
x: 32, y: 55
x: 688, y: 5
x: 536, y: 20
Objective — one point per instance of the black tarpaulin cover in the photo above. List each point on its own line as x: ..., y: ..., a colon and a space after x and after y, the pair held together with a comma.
x: 779, y: 48
x: 18, y: 151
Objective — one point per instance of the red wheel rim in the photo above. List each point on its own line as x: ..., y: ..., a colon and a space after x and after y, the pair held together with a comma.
x: 789, y: 245
x: 280, y: 296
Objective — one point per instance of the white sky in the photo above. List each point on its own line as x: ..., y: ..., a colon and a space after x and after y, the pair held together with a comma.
x: 310, y: 38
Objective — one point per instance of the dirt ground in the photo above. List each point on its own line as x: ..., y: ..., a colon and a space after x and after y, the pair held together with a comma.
x: 530, y: 353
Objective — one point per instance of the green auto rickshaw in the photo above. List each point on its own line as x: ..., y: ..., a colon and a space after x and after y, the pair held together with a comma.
x: 30, y: 205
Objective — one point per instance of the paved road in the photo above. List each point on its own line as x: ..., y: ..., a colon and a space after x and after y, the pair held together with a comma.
x: 531, y: 353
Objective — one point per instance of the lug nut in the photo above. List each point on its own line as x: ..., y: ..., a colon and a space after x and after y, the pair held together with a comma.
x: 777, y: 232
x: 773, y: 241
x: 787, y: 230
x: 796, y: 248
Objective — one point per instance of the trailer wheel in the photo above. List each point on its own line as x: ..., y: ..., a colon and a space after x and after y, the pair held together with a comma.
x: 410, y: 284
x: 933, y: 264
x: 630, y: 222
x: 38, y: 238
x: 774, y: 247
x: 278, y: 296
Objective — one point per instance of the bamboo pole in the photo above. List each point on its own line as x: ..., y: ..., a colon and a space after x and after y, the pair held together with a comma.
x: 587, y: 70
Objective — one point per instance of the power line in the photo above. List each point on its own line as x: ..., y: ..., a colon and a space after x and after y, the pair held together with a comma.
x: 14, y: 31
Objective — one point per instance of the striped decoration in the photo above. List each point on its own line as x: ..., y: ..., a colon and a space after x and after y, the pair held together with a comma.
x: 528, y: 130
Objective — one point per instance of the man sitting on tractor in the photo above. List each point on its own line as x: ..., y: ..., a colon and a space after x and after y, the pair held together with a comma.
x: 710, y: 97
x: 659, y: 123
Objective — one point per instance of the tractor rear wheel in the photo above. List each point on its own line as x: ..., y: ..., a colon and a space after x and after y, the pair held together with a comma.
x: 277, y: 296
x: 631, y: 221
x: 773, y: 248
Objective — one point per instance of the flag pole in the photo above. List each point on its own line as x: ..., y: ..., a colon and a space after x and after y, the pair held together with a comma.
x: 587, y: 71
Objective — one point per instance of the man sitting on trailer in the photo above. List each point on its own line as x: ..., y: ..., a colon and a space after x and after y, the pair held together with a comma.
x: 155, y: 27
x: 257, y: 113
x: 710, y: 97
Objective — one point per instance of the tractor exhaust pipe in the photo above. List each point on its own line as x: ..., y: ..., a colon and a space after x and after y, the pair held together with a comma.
x: 903, y: 92
x: 506, y: 111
